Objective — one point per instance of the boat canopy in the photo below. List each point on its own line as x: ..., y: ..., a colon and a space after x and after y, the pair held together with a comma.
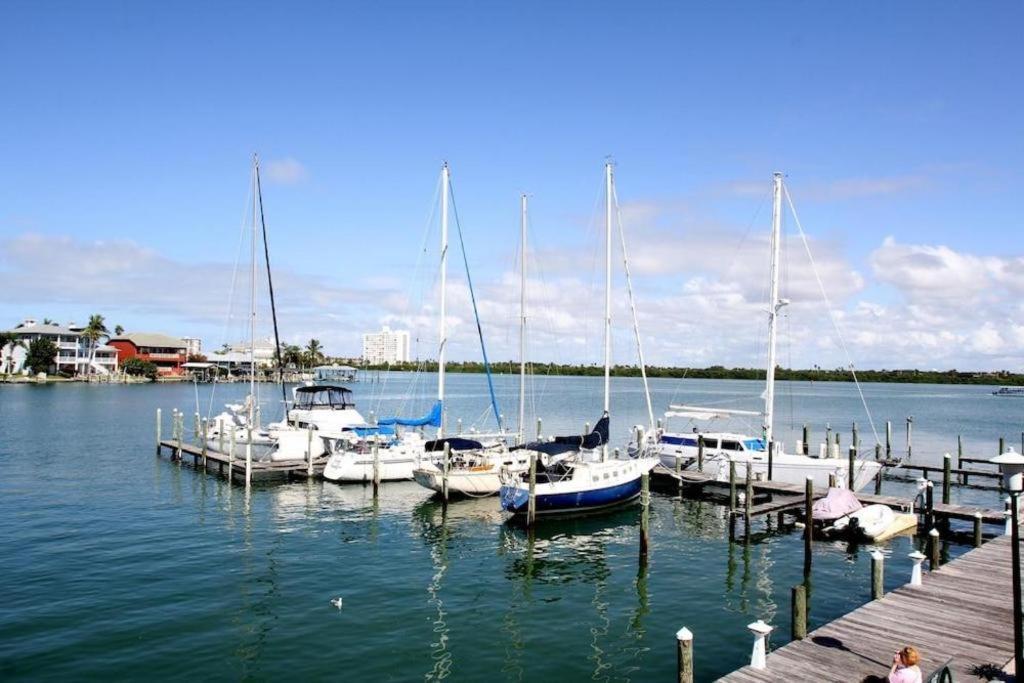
x: 323, y: 396
x: 432, y: 419
x: 566, y: 444
x: 455, y: 443
x: 364, y: 432
x: 837, y: 503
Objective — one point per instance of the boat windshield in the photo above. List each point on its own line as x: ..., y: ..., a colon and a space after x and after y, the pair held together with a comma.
x: 753, y: 444
x: 332, y: 398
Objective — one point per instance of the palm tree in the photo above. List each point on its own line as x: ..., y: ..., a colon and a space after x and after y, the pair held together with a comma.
x: 291, y: 355
x: 94, y: 331
x: 118, y: 330
x: 9, y: 339
x: 314, y: 352
x: 47, y: 321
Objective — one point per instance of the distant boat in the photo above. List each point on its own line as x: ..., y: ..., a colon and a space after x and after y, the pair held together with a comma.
x: 1009, y: 391
x: 332, y: 374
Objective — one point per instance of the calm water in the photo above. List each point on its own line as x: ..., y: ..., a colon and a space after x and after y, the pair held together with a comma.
x: 115, y: 562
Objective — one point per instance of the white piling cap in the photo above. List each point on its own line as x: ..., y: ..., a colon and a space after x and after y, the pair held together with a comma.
x: 877, y: 555
x: 760, y: 628
x: 917, y: 556
x: 684, y: 634
x: 934, y: 533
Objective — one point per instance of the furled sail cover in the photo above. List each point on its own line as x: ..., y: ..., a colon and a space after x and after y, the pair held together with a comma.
x: 577, y: 442
x: 431, y: 419
x: 455, y: 443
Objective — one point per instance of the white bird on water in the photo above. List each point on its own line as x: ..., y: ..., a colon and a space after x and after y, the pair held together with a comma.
x: 336, y: 602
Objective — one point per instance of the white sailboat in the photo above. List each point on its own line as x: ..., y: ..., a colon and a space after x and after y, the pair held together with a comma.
x: 721, y: 448
x: 575, y: 474
x: 480, y: 471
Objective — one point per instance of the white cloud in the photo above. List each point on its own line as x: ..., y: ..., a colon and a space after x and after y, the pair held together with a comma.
x: 284, y: 171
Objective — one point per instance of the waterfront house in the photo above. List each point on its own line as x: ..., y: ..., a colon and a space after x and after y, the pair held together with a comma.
x: 168, y: 353
x: 73, y: 349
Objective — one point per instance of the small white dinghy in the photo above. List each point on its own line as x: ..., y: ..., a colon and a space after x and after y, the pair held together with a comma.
x: 875, y: 523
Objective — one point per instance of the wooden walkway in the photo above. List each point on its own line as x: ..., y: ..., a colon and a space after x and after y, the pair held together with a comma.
x: 963, y: 611
x: 260, y: 469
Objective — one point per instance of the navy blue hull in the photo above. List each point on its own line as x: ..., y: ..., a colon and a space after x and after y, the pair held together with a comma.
x: 516, y: 500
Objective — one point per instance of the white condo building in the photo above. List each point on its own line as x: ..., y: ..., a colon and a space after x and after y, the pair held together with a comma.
x: 74, y: 350
x: 385, y: 347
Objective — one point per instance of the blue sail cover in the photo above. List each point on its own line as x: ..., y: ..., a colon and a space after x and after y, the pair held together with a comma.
x: 431, y: 419
x: 568, y: 444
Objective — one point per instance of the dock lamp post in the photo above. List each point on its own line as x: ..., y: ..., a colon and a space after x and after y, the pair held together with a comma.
x: 1011, y: 466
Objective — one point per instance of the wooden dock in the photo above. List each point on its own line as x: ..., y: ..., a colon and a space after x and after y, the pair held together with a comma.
x: 226, y: 465
x: 961, y: 613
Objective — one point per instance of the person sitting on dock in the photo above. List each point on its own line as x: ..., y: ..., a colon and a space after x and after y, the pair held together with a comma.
x: 904, y: 666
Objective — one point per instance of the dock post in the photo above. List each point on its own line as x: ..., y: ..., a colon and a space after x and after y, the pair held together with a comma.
x: 878, y: 481
x: 231, y: 457
x: 910, y: 434
x: 808, y: 522
x: 732, y: 486
x: 748, y: 498
x: 181, y: 428
x: 806, y: 448
x: 799, y: 605
x: 851, y: 468
x: 878, y: 452
x: 586, y: 428
x: 915, y: 574
x: 446, y: 464
x: 946, y: 460
x: 700, y: 453
x: 248, y: 459
x: 645, y: 515
x: 684, y: 655
x: 877, y: 575
x: 828, y: 437
x: 376, y: 469
x: 855, y: 442
x: 831, y: 480
x: 309, y: 450
x: 888, y: 439
x: 220, y: 435
x: 659, y: 425
x: 933, y: 547
x: 679, y: 474
x: 195, y: 426
x: 977, y: 529
x: 759, y: 655
x: 539, y: 424
x: 929, y: 505
x: 204, y: 425
x: 1002, y: 445
x: 959, y: 451
x: 837, y: 443
x: 158, y: 419
x: 771, y: 453
x: 531, y: 509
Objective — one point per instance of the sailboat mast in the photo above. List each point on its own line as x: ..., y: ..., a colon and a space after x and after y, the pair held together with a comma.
x: 607, y: 291
x: 773, y: 306
x: 252, y: 295
x: 443, y: 337
x: 522, y: 319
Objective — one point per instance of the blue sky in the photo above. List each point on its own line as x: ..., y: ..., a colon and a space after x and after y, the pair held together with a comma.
x: 129, y: 127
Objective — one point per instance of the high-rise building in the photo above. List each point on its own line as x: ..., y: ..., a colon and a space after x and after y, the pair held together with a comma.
x: 386, y: 347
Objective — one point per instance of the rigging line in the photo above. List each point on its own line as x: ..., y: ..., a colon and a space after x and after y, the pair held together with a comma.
x: 273, y: 306
x: 831, y: 313
x: 632, y: 307
x: 476, y: 313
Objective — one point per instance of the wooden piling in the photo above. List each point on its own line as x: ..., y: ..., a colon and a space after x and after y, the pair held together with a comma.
x: 684, y: 655
x: 831, y: 480
x: 700, y: 453
x: 1002, y: 445
x: 645, y: 515
x: 679, y: 474
x: 878, y: 451
x: 203, y: 441
x: 220, y: 435
x: 732, y: 486
x: 309, y: 449
x: 851, y: 468
x: 878, y: 481
x: 855, y: 442
x: 195, y: 427
x: 158, y: 425
x: 748, y: 497
x: 910, y: 434
x: 808, y: 522
x: 828, y: 437
x: 231, y: 457
x: 977, y: 530
x: 181, y: 420
x: 877, y: 575
x: 376, y: 469
x: 248, y: 458
x: 946, y: 464
x: 531, y: 510
x: 771, y: 451
x: 929, y: 505
x: 959, y: 451
x: 446, y: 465
x: 933, y: 540
x: 539, y: 425
x: 806, y: 435
x: 798, y: 604
x: 888, y: 439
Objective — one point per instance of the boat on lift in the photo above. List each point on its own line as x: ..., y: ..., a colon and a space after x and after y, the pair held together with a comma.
x: 722, y: 448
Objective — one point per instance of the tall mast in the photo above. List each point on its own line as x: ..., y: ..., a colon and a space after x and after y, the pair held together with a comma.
x: 273, y: 305
x: 252, y: 294
x: 773, y: 306
x: 443, y: 337
x: 607, y: 292
x: 522, y: 319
